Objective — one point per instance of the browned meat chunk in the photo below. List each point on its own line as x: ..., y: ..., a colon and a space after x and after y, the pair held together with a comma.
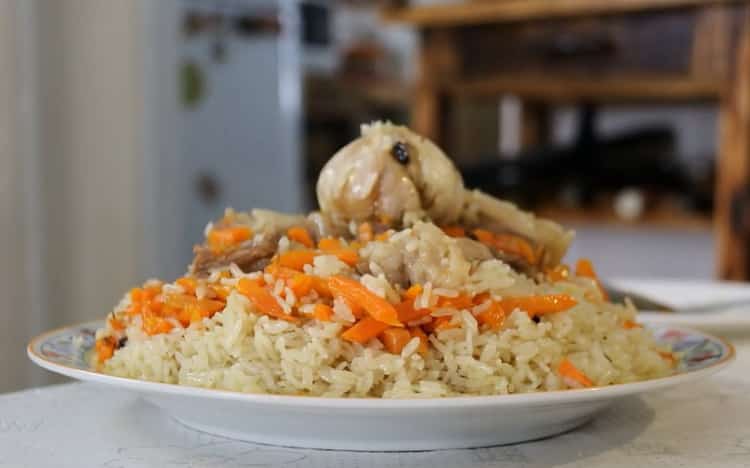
x: 252, y: 255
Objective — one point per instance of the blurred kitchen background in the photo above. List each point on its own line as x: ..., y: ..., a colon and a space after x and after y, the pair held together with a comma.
x: 126, y: 125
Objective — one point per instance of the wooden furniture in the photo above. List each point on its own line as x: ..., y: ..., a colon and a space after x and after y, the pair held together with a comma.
x: 556, y: 51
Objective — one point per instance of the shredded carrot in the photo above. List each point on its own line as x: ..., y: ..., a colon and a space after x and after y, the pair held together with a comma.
x: 628, y: 324
x: 154, y: 325
x: 296, y: 259
x: 188, y: 284
x: 413, y: 291
x: 320, y: 286
x: 322, y: 312
x: 568, y: 370
x: 328, y: 244
x: 558, y: 273
x: 137, y: 295
x: 301, y: 284
x: 508, y: 243
x: 300, y: 235
x: 538, y: 305
x: 151, y: 292
x: 462, y: 301
x: 585, y: 268
x: 219, y: 239
x: 493, y: 316
x: 364, y: 232
x: 116, y: 324
x: 407, y: 312
x: 480, y: 298
x: 364, y: 330
x: 383, y: 236
x: 220, y: 291
x: 278, y: 271
x: 441, y: 323
x: 263, y: 300
x: 105, y: 348
x: 348, y: 256
x: 394, y: 339
x: 356, y: 293
x: 454, y: 231
x: 423, y: 340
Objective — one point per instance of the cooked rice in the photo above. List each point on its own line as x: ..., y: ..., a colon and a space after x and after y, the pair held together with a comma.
x: 242, y: 350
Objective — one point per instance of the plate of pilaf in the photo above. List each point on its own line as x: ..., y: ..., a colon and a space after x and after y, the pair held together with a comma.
x: 408, y: 313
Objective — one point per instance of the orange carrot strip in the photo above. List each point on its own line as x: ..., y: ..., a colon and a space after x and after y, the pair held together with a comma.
x: 322, y: 312
x: 462, y: 301
x: 263, y: 300
x: 507, y: 243
x: 454, y: 231
x: 558, y: 273
x: 320, y: 286
x: 407, y: 312
x: 364, y: 330
x: 222, y: 292
x: 538, y: 305
x: 516, y: 245
x: 219, y: 239
x: 153, y: 325
x: 357, y: 294
x: 301, y: 284
x: 413, y: 291
x: 116, y: 324
x: 137, y: 295
x: 278, y: 271
x: 300, y: 235
x: 568, y: 370
x: 423, y: 341
x: 441, y: 323
x: 151, y: 292
x: 383, y: 236
x: 493, y: 316
x: 105, y: 348
x: 188, y: 284
x: 628, y: 324
x: 328, y: 244
x: 364, y: 232
x: 480, y: 298
x: 296, y: 259
x: 348, y: 256
x: 585, y: 268
x: 394, y: 339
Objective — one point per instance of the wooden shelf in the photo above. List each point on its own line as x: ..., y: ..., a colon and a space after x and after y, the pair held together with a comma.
x: 600, y: 88
x: 659, y: 218
x: 466, y: 13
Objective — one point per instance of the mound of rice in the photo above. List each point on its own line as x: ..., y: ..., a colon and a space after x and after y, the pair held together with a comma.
x: 240, y: 348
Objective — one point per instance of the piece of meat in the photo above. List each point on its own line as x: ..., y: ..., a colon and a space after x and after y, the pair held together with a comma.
x: 250, y: 256
x: 475, y: 250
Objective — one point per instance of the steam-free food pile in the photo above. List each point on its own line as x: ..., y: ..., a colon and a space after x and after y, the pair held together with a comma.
x: 405, y: 284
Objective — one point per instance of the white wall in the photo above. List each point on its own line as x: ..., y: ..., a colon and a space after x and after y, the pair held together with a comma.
x: 16, y: 314
x: 91, y: 146
x: 71, y: 150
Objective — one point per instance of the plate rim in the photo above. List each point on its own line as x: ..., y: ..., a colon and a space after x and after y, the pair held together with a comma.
x: 359, y: 403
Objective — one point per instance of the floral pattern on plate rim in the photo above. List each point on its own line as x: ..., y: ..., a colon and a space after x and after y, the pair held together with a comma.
x: 72, y: 347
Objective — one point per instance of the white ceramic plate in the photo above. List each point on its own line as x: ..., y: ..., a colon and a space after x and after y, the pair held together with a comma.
x: 682, y: 293
x: 380, y: 424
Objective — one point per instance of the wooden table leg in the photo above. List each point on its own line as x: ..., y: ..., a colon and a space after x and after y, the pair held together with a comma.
x: 732, y: 218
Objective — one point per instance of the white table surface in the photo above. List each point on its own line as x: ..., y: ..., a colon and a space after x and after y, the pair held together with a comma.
x: 83, y: 425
